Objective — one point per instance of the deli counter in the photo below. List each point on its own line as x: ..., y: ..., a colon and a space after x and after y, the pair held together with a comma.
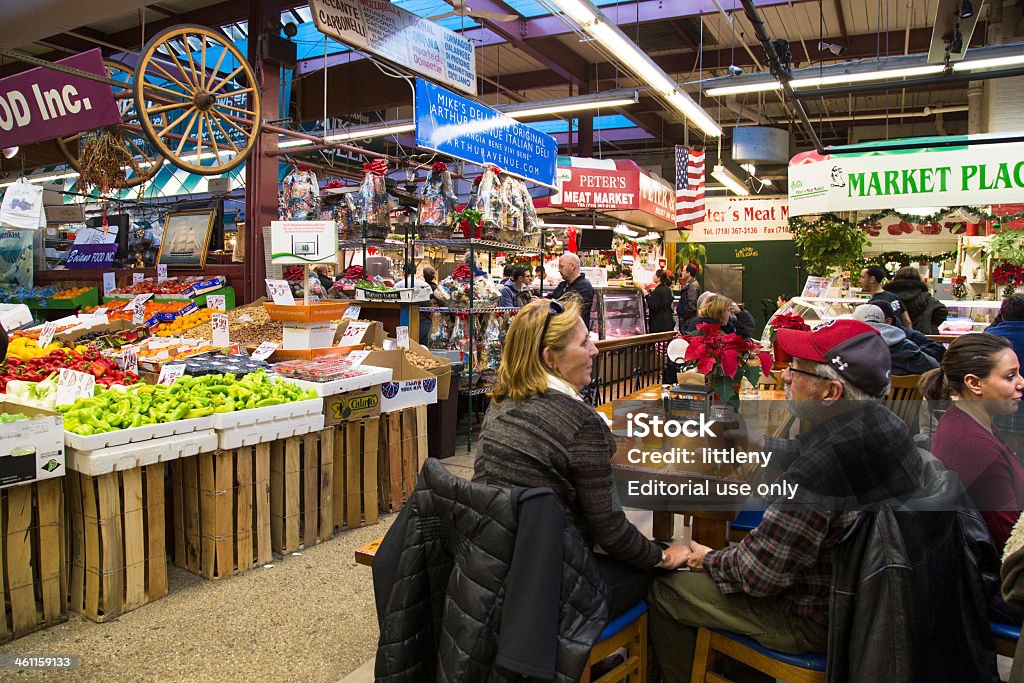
x: 617, y: 312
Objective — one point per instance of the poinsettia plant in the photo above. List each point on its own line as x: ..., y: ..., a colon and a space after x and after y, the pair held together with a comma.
x: 1010, y: 276
x: 787, y: 321
x: 723, y: 360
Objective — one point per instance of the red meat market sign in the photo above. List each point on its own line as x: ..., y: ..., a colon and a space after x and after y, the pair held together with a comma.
x: 597, y: 189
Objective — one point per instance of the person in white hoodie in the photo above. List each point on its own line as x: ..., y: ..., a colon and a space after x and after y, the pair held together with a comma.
x: 907, y: 357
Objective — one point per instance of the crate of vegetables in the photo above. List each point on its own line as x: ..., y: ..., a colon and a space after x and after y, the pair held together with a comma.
x: 45, y: 367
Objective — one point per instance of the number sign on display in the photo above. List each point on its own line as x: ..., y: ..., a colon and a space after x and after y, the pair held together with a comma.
x: 281, y: 292
x: 356, y: 358
x: 130, y: 361
x: 302, y: 242
x: 138, y: 277
x: 353, y: 333
x: 451, y: 124
x: 264, y: 351
x: 109, y: 283
x: 73, y: 385
x: 161, y: 272
x: 402, y: 336
x: 219, y: 323
x: 352, y: 312
x: 217, y: 302
x: 393, y: 33
x: 46, y: 334
x: 170, y: 372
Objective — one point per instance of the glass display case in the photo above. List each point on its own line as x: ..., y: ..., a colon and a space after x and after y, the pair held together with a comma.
x: 813, y: 310
x: 968, y: 316
x: 617, y: 312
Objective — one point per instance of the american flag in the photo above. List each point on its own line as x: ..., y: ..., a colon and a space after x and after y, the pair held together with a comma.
x: 689, y: 186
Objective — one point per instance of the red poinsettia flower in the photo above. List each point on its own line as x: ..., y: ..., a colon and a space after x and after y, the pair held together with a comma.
x: 767, y: 363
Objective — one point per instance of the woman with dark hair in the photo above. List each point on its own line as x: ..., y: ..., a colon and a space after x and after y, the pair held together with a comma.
x: 982, y: 374
x: 659, y: 303
x: 925, y: 311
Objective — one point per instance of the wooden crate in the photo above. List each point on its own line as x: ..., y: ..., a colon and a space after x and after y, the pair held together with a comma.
x: 33, y: 574
x: 403, y: 449
x: 301, y: 490
x: 355, y: 473
x: 221, y: 508
x: 118, y: 542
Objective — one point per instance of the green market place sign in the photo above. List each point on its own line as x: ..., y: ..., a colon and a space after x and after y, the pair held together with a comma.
x: 968, y: 175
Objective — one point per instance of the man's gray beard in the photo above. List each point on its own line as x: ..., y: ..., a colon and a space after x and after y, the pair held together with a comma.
x: 809, y: 411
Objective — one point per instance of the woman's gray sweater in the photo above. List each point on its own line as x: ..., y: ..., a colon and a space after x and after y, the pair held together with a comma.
x: 557, y: 441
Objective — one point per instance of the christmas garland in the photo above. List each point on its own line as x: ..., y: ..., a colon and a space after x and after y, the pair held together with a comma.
x: 902, y: 258
x: 829, y: 217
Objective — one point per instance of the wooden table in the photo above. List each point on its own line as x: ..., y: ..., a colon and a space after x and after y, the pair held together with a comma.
x: 710, y: 527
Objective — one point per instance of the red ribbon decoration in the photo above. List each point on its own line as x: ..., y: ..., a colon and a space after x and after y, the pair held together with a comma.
x: 439, y: 167
x: 378, y: 167
x: 571, y: 246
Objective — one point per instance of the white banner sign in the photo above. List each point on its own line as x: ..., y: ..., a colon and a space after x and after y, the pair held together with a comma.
x: 303, y: 242
x: 386, y: 30
x: 738, y: 219
x: 933, y: 177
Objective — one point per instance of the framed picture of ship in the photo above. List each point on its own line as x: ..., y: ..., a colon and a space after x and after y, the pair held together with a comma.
x: 186, y: 238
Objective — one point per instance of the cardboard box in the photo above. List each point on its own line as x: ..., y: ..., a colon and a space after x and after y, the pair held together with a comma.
x: 374, y: 335
x: 307, y: 335
x: 31, y: 449
x: 352, y: 405
x: 443, y: 372
x: 409, y: 385
x: 112, y: 327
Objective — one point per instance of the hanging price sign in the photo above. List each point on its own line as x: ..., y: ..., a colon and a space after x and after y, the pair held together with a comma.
x: 264, y: 351
x: 161, y: 272
x: 219, y: 323
x: 46, y: 334
x: 280, y: 292
x: 170, y: 372
x: 73, y: 385
x: 217, y: 302
x: 352, y: 312
x: 130, y: 361
x: 138, y: 277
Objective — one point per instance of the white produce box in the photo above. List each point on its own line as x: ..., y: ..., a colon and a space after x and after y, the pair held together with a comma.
x: 269, y: 431
x: 121, y: 437
x: 129, y: 456
x: 373, y: 375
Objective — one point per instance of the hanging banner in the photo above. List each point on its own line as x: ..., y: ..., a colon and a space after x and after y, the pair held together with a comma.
x: 738, y: 219
x: 467, y: 130
x: 399, y: 36
x: 41, y: 104
x: 91, y: 256
x: 931, y: 177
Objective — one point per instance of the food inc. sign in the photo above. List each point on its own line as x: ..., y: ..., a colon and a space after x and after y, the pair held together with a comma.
x: 41, y: 103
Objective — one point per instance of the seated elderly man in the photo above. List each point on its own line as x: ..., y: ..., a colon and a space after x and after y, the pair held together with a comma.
x: 774, y: 585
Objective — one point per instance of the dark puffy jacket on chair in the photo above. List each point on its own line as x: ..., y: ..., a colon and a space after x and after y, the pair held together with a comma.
x: 480, y: 583
x: 910, y: 592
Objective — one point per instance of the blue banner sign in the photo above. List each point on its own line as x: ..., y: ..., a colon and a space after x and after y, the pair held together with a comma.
x: 467, y: 130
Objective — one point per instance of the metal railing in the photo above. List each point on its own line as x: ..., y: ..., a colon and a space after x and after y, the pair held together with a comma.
x: 627, y: 365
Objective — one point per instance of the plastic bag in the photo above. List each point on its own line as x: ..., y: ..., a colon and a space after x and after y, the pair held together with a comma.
x: 490, y: 348
x: 488, y: 202
x: 371, y: 203
x: 300, y: 195
x: 440, y: 331
x: 437, y: 203
x: 512, y: 217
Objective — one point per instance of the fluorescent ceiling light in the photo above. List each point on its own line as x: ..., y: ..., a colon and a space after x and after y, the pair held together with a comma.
x: 863, y: 76
x: 742, y: 89
x: 722, y: 175
x: 994, y: 62
x: 631, y: 58
x: 44, y: 178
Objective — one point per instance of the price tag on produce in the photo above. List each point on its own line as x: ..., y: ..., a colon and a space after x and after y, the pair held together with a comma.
x: 109, y: 283
x: 161, y: 272
x: 170, y: 372
x: 402, y: 336
x: 264, y: 351
x: 352, y: 312
x: 138, y: 277
x: 139, y: 316
x: 73, y: 385
x: 130, y: 361
x: 100, y: 311
x: 217, y: 302
x: 46, y: 334
x: 280, y: 292
x: 219, y: 323
x: 138, y: 302
x: 356, y: 358
x: 354, y: 332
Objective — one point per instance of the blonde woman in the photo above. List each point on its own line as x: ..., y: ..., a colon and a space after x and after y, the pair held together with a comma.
x: 540, y: 432
x: 714, y: 309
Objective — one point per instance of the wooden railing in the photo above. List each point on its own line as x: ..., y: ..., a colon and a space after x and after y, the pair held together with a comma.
x: 626, y: 365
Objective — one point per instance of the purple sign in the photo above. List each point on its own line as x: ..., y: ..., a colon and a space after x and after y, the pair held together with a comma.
x: 41, y: 104
x: 91, y: 256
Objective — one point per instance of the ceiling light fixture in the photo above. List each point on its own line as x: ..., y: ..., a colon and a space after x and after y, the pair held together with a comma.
x: 9, y: 152
x: 44, y: 178
x: 966, y: 10
x: 824, y: 45
x: 956, y: 43
x: 634, y: 60
x: 749, y: 168
x: 724, y: 176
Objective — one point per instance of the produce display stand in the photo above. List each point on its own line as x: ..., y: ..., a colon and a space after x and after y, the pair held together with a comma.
x: 403, y: 450
x: 221, y: 509
x: 90, y: 298
x: 301, y: 489
x: 118, y: 541
x: 34, y: 570
x: 227, y: 292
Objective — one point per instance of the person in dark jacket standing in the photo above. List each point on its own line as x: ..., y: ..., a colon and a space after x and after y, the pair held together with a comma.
x: 576, y: 282
x: 686, y: 309
x: 774, y: 585
x: 906, y: 356
x: 925, y: 311
x: 659, y: 304
x: 538, y: 431
x: 871, y: 279
x: 516, y: 292
x: 929, y: 346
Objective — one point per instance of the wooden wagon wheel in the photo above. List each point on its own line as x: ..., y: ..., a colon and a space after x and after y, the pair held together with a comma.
x: 201, y: 82
x: 149, y: 159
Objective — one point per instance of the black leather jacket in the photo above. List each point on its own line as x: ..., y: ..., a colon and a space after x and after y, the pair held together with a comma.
x: 480, y: 583
x: 910, y: 592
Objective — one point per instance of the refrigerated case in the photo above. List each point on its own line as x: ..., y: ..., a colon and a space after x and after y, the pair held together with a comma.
x: 617, y: 312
